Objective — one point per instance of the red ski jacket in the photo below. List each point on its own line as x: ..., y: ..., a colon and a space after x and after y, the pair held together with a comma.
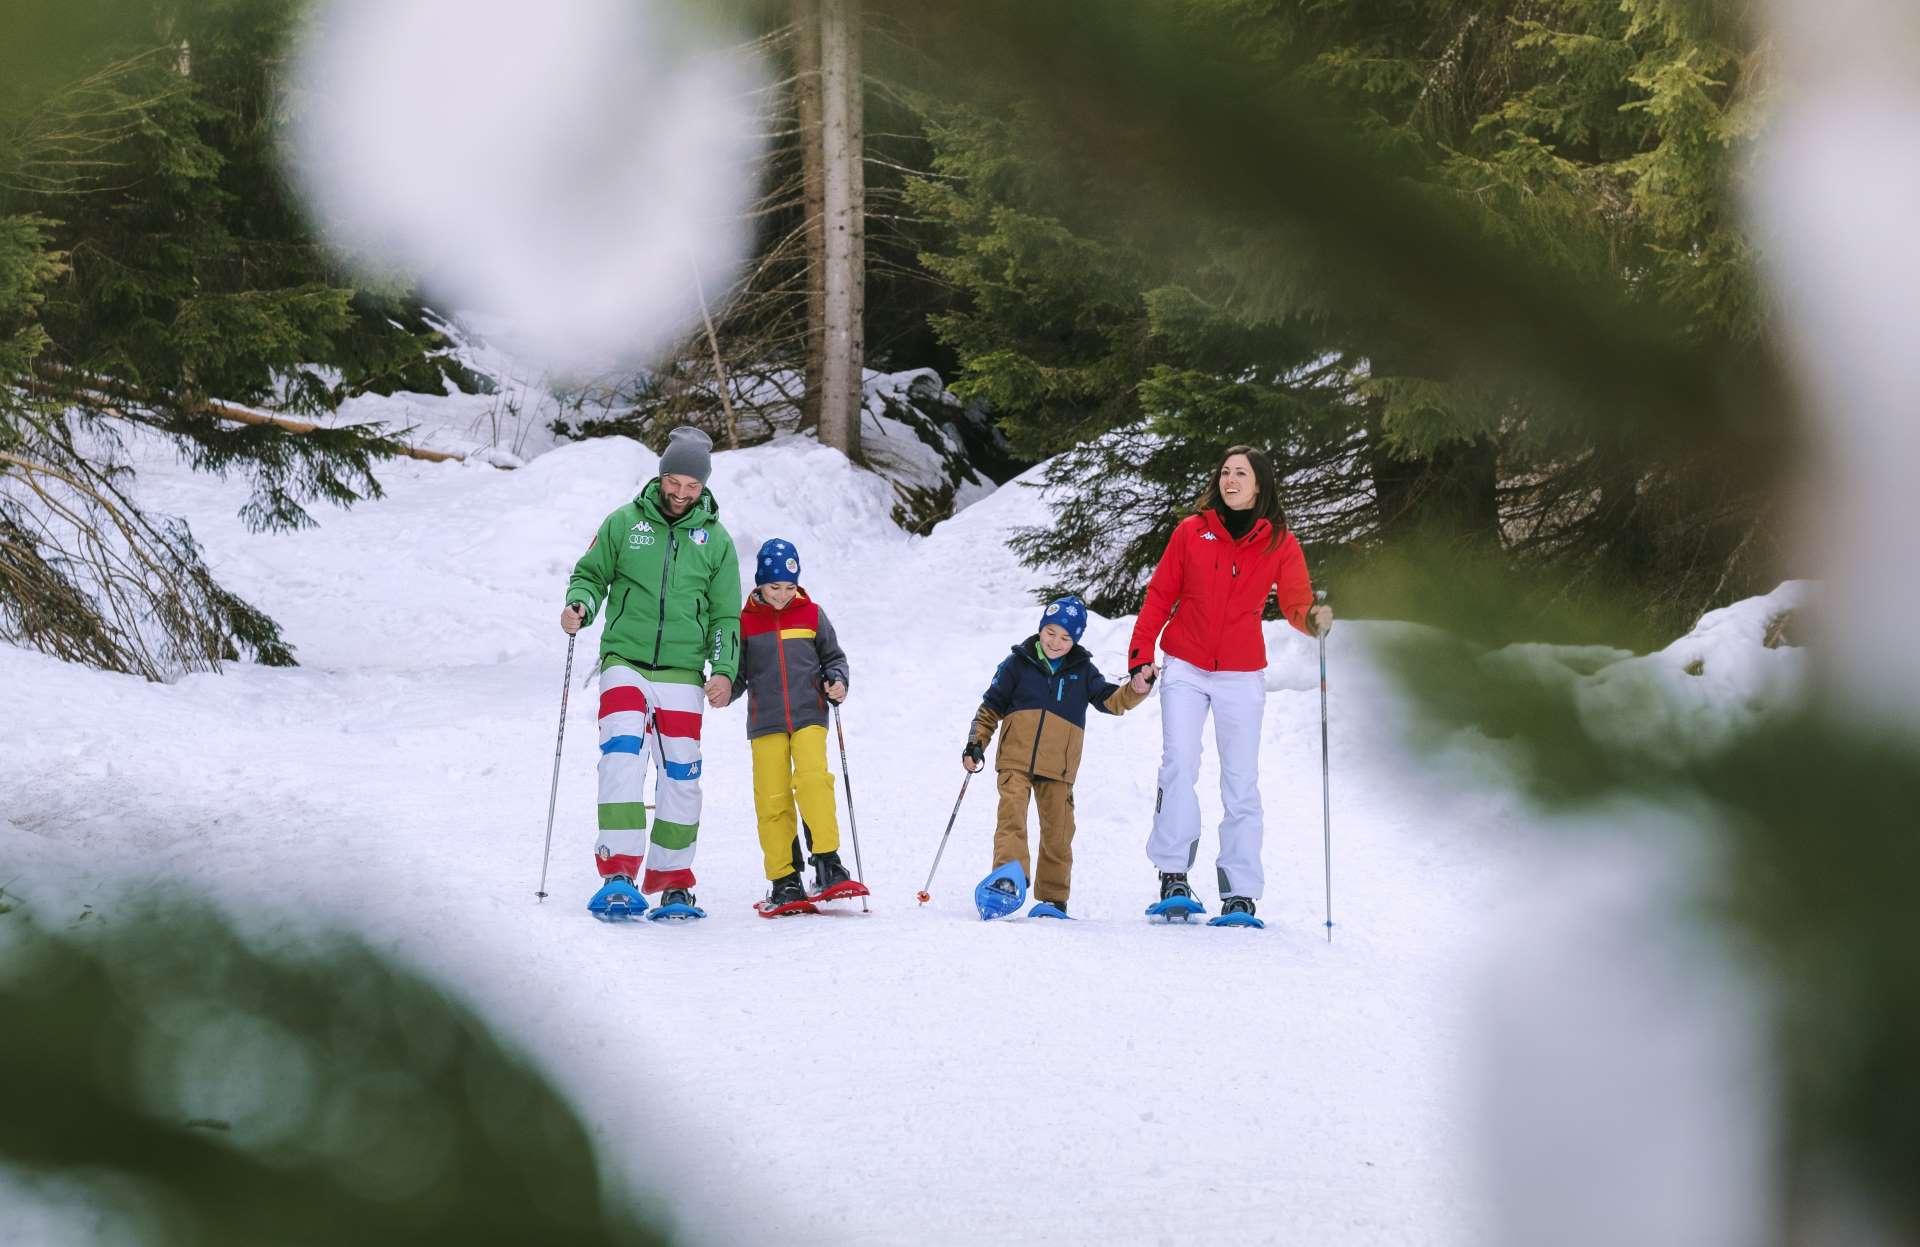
x: 1214, y: 589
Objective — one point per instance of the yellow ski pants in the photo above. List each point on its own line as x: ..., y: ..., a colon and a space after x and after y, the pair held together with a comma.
x: 787, y: 768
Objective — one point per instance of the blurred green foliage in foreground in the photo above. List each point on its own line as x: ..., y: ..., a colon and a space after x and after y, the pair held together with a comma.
x: 201, y: 1087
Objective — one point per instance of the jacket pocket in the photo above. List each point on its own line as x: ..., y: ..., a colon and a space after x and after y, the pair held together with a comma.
x: 1059, y: 754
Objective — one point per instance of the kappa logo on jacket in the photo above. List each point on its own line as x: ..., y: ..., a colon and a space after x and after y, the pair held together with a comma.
x: 1208, y: 537
x: 641, y: 534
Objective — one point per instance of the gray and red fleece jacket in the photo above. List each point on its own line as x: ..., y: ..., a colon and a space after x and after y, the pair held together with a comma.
x: 787, y: 656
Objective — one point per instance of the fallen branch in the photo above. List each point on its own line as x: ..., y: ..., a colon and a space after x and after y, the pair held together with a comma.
x: 112, y: 391
x: 243, y: 415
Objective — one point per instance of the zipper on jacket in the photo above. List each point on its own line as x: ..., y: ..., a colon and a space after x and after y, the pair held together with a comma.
x: 1033, y: 758
x: 780, y: 653
x: 666, y: 568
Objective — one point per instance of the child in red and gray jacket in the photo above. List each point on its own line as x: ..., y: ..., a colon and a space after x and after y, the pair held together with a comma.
x: 791, y: 668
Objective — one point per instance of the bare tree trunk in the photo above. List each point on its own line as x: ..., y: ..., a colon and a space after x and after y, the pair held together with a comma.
x: 842, y: 133
x: 813, y: 176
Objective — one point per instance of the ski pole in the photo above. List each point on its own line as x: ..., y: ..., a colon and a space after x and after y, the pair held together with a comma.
x: 853, y: 825
x: 1326, y: 792
x: 566, y: 686
x: 925, y: 893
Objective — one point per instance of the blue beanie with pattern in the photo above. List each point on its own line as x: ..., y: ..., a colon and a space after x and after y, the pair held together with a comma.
x: 1069, y: 613
x: 778, y: 561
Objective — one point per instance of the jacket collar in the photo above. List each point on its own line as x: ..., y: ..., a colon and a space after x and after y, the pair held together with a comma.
x: 758, y: 607
x: 705, y: 508
x: 1210, y: 520
x: 1029, y: 650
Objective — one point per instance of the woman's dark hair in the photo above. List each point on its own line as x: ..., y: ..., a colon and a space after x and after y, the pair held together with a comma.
x: 1266, y: 505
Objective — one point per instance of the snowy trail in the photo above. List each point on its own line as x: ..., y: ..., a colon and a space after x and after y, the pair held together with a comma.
x: 910, y: 1075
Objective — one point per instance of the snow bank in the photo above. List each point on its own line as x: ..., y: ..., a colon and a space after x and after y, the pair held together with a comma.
x: 923, y: 439
x: 1708, y: 688
x: 1690, y: 699
x: 506, y: 423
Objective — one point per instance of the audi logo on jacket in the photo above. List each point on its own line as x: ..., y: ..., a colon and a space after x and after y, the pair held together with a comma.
x: 1214, y: 590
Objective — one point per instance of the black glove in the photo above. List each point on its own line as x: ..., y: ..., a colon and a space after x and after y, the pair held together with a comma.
x: 976, y: 751
x: 1146, y: 667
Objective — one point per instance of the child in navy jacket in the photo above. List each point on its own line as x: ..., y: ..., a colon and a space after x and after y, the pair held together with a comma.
x: 1038, y: 700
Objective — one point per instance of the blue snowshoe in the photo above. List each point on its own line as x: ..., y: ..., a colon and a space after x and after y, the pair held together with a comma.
x: 617, y: 900
x: 676, y: 904
x: 1175, y: 909
x: 1001, y: 892
x: 1236, y: 911
x: 1176, y: 903
x: 1048, y: 909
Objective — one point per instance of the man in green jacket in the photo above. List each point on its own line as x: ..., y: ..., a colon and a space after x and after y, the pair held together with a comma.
x: 670, y: 581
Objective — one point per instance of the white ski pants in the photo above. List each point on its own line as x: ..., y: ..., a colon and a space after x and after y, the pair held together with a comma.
x: 1238, y: 702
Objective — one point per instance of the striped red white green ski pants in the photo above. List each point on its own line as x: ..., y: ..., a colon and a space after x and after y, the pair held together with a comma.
x: 648, y: 720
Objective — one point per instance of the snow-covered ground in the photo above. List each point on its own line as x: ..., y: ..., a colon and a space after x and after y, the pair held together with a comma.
x: 912, y: 1075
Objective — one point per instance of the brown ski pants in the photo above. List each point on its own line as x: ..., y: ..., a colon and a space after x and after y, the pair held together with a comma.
x: 1054, y: 798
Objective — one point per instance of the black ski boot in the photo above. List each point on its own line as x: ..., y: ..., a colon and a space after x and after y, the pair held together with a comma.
x: 677, y: 896
x: 1174, y: 885
x: 787, y: 889
x: 1236, y: 905
x: 827, y: 871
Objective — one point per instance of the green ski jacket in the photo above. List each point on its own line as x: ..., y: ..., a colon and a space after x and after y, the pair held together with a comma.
x: 672, y: 589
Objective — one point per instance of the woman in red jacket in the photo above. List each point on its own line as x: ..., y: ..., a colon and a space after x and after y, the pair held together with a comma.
x: 1221, y: 566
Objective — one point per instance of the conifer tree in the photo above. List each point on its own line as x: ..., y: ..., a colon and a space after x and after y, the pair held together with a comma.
x: 1602, y: 141
x: 152, y: 258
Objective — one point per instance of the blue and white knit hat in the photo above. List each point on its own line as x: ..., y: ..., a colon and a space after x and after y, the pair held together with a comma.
x: 778, y: 561
x: 1069, y: 613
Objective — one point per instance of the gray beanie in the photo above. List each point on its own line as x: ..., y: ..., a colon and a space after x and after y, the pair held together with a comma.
x: 689, y: 452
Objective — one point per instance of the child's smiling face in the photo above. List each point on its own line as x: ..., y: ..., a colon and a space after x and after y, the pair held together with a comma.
x: 1054, y: 641
x: 777, y: 593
